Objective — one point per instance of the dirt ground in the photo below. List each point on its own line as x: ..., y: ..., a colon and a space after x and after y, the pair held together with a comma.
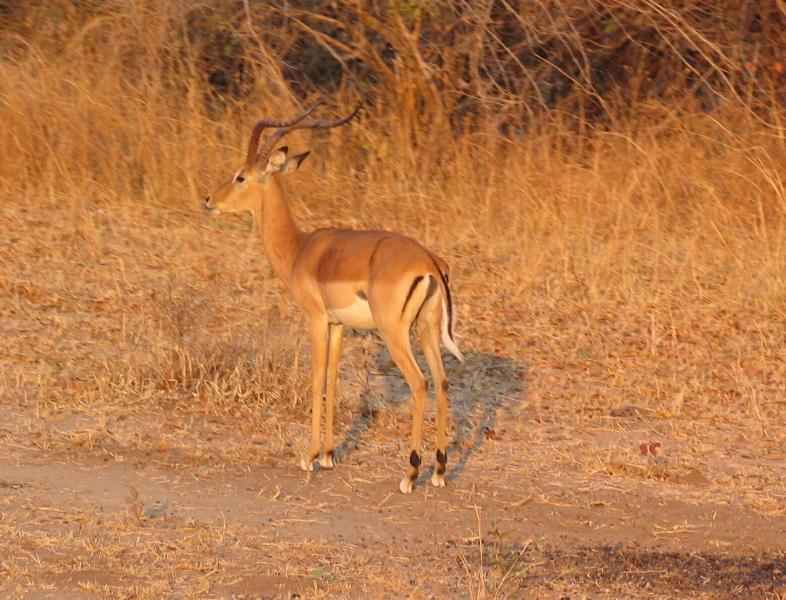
x: 521, y: 516
x: 153, y: 377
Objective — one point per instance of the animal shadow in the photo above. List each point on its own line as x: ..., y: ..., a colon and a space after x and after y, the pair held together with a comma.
x: 485, y: 391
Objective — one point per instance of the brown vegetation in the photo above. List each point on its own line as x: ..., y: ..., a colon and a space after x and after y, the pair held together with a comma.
x: 605, y: 179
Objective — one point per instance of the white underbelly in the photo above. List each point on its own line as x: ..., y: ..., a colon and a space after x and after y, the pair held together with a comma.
x: 357, y: 315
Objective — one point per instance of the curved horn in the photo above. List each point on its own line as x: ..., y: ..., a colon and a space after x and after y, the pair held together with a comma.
x: 309, y: 124
x: 259, y: 126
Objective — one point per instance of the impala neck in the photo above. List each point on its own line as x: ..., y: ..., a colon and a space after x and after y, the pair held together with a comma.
x: 280, y: 234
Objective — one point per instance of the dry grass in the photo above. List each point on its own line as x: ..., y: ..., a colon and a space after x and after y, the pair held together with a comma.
x: 635, y: 279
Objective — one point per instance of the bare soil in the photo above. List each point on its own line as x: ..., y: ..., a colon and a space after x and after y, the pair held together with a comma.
x: 517, y: 520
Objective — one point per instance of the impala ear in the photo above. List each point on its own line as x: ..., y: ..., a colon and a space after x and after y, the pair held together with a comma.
x: 293, y: 163
x: 277, y: 160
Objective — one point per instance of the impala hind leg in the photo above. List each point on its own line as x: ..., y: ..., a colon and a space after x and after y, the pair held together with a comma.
x: 335, y: 333
x: 318, y: 330
x: 429, y: 337
x: 400, y: 350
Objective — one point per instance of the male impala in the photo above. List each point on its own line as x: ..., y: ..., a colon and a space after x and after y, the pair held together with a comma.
x: 339, y: 277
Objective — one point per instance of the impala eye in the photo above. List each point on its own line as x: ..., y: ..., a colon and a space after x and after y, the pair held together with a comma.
x: 239, y: 179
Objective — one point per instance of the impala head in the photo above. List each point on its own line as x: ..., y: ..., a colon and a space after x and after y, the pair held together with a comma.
x: 246, y: 190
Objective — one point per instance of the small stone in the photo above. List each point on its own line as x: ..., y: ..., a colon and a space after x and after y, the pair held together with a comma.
x: 157, y: 511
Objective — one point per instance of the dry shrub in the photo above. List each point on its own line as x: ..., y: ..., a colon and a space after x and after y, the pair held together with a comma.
x: 258, y: 365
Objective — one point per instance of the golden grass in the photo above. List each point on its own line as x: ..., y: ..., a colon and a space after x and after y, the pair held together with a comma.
x: 641, y: 268
x: 657, y: 252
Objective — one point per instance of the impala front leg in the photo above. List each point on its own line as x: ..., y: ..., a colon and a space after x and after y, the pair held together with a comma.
x: 335, y: 334
x: 318, y: 328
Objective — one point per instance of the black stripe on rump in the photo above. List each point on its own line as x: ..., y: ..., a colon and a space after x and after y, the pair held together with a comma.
x: 450, y: 303
x: 448, y: 299
x: 415, y: 283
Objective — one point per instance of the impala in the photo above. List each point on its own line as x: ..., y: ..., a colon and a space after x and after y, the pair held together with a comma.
x: 344, y: 278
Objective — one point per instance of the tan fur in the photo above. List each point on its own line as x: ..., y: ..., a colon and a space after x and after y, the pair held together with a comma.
x: 339, y: 277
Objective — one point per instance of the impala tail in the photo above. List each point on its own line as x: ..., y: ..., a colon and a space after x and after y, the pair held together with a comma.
x: 448, y: 339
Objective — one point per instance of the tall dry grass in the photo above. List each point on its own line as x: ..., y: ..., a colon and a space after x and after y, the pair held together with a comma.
x: 641, y: 263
